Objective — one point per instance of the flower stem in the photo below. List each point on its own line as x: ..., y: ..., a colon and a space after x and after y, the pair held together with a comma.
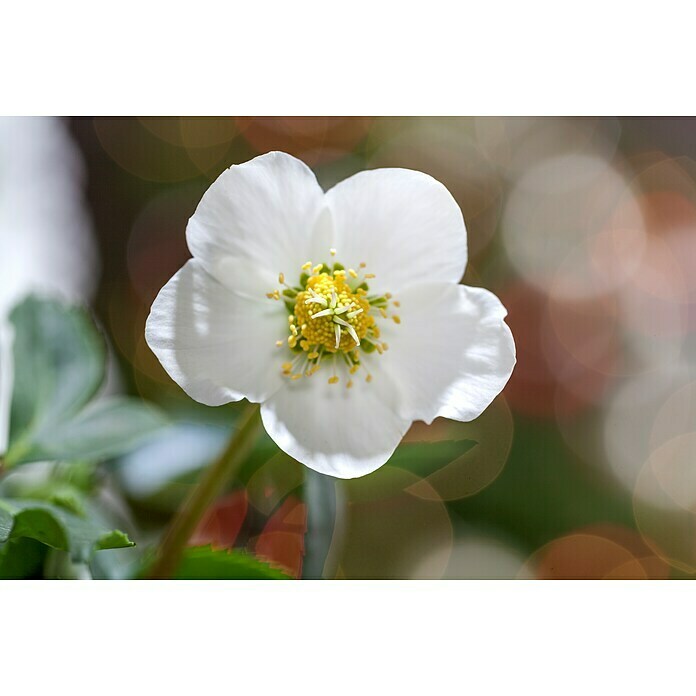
x: 211, y: 483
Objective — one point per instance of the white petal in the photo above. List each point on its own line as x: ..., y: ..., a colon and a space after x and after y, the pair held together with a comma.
x: 452, y: 354
x: 217, y: 346
x: 258, y: 219
x: 335, y: 430
x: 403, y: 224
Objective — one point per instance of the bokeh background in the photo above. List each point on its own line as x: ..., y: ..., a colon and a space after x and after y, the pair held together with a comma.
x: 585, y: 227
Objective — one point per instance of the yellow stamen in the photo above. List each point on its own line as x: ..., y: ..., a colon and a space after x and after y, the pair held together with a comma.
x: 330, y: 317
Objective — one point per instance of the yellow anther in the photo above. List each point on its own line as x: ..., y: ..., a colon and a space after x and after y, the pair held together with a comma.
x: 331, y: 317
x: 385, y: 346
x: 388, y: 295
x: 397, y: 319
x: 396, y: 303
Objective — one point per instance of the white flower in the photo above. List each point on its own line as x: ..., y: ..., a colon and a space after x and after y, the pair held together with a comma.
x: 46, y: 243
x: 339, y: 312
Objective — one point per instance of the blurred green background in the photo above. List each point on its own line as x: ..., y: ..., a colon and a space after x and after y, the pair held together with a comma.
x: 583, y: 468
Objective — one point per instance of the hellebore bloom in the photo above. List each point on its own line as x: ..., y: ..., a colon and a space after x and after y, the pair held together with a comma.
x: 339, y: 312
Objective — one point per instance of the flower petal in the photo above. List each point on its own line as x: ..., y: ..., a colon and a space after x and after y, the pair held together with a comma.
x: 217, y: 346
x: 334, y: 430
x: 403, y: 224
x: 452, y: 354
x: 255, y: 221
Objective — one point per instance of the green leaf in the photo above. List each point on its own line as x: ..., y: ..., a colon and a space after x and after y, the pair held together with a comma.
x: 58, y: 366
x: 58, y: 528
x: 544, y: 491
x: 6, y: 524
x: 424, y: 458
x: 59, y: 361
x: 102, y: 430
x: 22, y: 559
x: 206, y: 563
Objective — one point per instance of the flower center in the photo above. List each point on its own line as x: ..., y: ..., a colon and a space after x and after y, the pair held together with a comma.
x: 332, y: 317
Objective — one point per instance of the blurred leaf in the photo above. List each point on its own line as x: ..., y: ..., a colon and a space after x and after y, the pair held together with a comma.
x: 423, y: 458
x: 105, y: 429
x: 22, y: 559
x: 544, y: 491
x: 57, y: 528
x: 58, y: 367
x: 59, y: 362
x: 6, y: 524
x: 206, y: 563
